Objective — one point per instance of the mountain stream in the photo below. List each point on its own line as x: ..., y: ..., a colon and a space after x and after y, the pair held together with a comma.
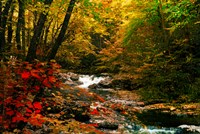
x: 156, y: 126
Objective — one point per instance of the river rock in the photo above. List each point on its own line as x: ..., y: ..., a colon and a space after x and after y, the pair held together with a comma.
x: 191, y: 129
x: 93, y: 86
x: 106, y: 83
x: 71, y: 83
x: 104, y: 117
x: 63, y: 77
x: 78, y: 111
x: 70, y: 79
x: 73, y: 76
x: 108, y: 125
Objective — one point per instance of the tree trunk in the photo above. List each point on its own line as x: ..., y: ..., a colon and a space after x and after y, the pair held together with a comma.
x: 162, y: 17
x: 46, y: 47
x: 37, y: 34
x: 55, y: 32
x: 28, y: 28
x: 4, y: 18
x: 23, y: 36
x: 10, y: 29
x: 63, y: 30
x: 0, y: 13
x: 20, y: 24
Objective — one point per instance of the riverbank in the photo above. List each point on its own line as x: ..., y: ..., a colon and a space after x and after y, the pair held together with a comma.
x: 73, y: 109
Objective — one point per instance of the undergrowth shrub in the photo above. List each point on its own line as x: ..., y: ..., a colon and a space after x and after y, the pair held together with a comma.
x: 22, y: 86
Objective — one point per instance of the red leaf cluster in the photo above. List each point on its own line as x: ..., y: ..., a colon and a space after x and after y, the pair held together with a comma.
x: 37, y: 105
x: 94, y: 112
x: 23, y: 80
x: 25, y: 74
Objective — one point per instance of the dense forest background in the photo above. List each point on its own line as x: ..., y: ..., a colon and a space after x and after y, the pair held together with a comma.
x: 152, y: 46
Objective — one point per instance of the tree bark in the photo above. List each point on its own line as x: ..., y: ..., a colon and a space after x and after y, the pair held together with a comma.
x: 10, y: 29
x: 28, y: 28
x: 4, y: 18
x: 63, y: 30
x: 37, y: 34
x: 162, y: 17
x: 23, y: 35
x: 22, y: 21
x: 46, y: 47
x: 20, y: 24
x: 0, y: 13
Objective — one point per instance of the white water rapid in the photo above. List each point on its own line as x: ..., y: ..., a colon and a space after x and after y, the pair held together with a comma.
x: 88, y: 80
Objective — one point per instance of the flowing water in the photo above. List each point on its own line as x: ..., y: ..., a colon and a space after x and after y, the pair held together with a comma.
x: 132, y: 127
x: 88, y: 80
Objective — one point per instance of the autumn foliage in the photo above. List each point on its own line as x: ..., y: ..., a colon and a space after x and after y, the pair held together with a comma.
x: 22, y: 86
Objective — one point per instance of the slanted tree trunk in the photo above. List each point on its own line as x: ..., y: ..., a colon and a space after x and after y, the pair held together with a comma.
x: 63, y: 30
x: 45, y: 44
x: 10, y: 29
x: 4, y: 17
x: 37, y: 34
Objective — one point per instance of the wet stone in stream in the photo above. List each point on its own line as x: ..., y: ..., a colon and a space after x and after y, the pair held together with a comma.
x: 107, y: 125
